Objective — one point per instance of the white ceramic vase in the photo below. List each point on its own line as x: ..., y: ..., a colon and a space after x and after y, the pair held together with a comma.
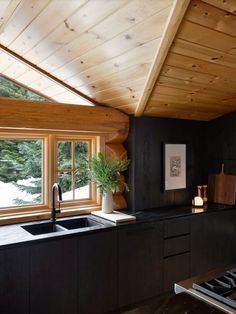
x: 107, y: 202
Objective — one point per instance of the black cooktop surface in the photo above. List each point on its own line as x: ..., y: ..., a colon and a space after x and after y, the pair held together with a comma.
x: 222, y: 288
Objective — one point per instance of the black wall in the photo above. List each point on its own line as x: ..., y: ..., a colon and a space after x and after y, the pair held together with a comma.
x: 145, y: 143
x: 222, y: 144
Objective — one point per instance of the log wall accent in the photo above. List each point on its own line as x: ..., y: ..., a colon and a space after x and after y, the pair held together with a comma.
x: 111, y: 124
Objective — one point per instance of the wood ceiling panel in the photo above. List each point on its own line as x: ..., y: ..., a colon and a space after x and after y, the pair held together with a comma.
x: 127, y: 75
x: 122, y: 89
x: 106, y: 50
x: 198, y: 79
x: 24, y: 14
x: 15, y: 69
x: 59, y: 43
x: 213, y: 18
x: 136, y: 37
x: 123, y: 100
x: 205, y: 93
x: 97, y: 57
x: 42, y: 83
x: 229, y: 5
x: 207, y: 37
x: 53, y: 90
x: 194, y: 50
x: 30, y: 77
x: 185, y: 74
x: 201, y: 98
x: 131, y: 58
x: 6, y: 61
x: 101, y: 48
x: 122, y: 20
x: 42, y: 24
x: 182, y: 113
x: 128, y: 109
x: 199, y: 66
x: 206, y: 108
x: 212, y: 88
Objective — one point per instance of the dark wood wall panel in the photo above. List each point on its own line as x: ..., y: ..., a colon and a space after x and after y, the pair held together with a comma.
x: 222, y: 144
x: 144, y: 144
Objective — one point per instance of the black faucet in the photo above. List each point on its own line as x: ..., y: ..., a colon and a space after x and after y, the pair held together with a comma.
x: 55, y: 187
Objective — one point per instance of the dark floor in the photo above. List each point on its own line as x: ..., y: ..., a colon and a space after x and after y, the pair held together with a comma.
x: 175, y: 304
x: 152, y: 306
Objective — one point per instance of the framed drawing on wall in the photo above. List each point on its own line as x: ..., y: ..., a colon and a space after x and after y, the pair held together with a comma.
x: 174, y: 166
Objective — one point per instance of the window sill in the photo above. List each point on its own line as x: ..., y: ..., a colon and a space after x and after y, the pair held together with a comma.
x: 45, y: 214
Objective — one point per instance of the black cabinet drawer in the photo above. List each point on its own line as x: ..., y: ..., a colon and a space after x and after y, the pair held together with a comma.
x: 139, y: 263
x: 176, y: 245
x: 176, y: 227
x: 176, y: 268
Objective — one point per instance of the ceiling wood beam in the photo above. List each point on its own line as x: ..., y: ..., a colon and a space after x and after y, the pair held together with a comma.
x: 47, y: 74
x: 175, y: 17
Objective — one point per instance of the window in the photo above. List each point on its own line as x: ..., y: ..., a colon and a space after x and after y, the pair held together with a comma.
x: 72, y: 157
x: 30, y: 164
x: 20, y: 174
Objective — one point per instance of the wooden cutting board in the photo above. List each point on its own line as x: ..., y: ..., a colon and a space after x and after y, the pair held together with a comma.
x: 222, y: 188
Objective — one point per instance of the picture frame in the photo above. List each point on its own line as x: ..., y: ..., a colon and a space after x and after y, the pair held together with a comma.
x: 174, y: 166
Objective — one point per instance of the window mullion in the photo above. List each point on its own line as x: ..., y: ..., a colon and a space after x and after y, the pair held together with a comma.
x: 73, y: 168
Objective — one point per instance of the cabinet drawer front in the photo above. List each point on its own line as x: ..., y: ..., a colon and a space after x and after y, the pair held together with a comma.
x: 176, y: 227
x: 176, y: 268
x: 177, y: 245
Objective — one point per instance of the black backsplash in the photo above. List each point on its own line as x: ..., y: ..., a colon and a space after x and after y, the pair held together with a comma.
x: 145, y: 149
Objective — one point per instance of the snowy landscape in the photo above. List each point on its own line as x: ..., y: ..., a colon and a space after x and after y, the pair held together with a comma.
x: 9, y: 192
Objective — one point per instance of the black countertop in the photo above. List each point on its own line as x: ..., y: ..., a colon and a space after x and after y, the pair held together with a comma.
x: 14, y: 234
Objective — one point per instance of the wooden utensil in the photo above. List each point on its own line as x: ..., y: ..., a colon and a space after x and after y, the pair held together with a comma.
x: 222, y: 188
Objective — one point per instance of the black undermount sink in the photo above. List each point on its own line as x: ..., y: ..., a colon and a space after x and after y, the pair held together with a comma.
x: 43, y: 228
x: 79, y: 223
x: 50, y: 227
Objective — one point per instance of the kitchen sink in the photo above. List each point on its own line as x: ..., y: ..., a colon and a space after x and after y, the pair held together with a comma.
x: 79, y: 223
x: 49, y: 227
x: 43, y: 228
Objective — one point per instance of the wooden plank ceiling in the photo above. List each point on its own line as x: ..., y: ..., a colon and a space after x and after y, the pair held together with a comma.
x: 102, y: 48
x: 127, y: 54
x: 198, y: 79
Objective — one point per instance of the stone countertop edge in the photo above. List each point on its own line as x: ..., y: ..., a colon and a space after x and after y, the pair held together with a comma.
x: 14, y: 235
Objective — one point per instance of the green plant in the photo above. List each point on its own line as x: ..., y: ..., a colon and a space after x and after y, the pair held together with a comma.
x: 106, y: 173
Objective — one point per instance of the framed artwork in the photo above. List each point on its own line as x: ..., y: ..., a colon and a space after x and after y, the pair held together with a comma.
x: 174, y: 166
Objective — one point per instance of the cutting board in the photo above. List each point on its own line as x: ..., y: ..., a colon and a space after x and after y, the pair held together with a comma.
x: 115, y: 216
x: 222, y: 188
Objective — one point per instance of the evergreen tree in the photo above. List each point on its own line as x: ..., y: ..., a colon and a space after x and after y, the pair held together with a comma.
x: 12, y: 90
x: 22, y: 159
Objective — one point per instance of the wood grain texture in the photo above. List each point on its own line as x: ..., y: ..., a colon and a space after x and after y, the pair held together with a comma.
x: 42, y: 115
x: 198, y: 76
x: 98, y: 49
x: 145, y: 149
x: 119, y: 201
x: 112, y: 124
x: 172, y: 24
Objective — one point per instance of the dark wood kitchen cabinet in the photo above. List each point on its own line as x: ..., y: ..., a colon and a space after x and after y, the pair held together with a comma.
x: 97, y: 272
x: 53, y: 267
x: 14, y: 292
x: 212, y: 241
x: 176, y: 252
x: 140, y: 257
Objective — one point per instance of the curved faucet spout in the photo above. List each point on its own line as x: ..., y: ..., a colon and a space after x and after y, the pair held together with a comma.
x: 55, y: 187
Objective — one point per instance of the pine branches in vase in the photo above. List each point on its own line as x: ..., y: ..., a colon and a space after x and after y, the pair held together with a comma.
x: 105, y: 173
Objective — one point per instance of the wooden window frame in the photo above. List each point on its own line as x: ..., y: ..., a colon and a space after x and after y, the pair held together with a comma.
x: 41, y: 211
